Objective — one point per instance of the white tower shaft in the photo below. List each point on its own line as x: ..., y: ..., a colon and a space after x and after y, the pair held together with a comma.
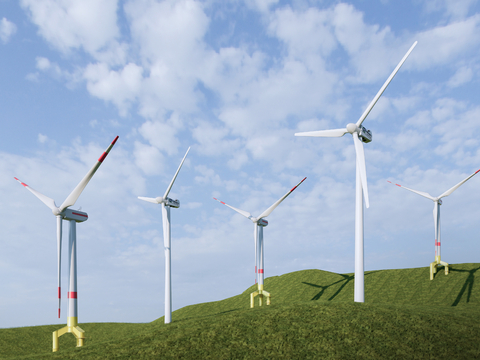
x: 72, y: 319
x: 168, y: 263
x: 436, y: 219
x: 260, y: 256
x: 359, y: 295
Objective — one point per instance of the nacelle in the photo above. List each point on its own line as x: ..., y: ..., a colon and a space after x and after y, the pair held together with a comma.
x: 172, y: 203
x: 439, y: 201
x: 77, y: 215
x: 365, y: 135
x: 262, y: 222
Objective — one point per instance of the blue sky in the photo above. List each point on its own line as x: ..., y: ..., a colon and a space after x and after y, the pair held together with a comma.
x: 234, y: 80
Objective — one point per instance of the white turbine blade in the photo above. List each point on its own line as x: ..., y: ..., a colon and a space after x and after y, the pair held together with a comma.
x: 324, y: 133
x: 382, y: 89
x: 72, y: 198
x: 449, y: 191
x: 362, y: 167
x: 152, y: 200
x: 59, y: 260
x: 424, y: 194
x: 271, y: 208
x: 175, y: 176
x: 45, y: 199
x: 242, y: 212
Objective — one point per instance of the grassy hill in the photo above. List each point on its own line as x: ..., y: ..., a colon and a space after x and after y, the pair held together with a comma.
x: 405, y: 315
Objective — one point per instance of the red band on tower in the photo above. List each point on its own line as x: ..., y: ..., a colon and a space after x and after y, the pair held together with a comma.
x: 72, y: 294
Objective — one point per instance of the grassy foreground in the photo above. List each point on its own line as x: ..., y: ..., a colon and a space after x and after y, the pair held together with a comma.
x: 405, y: 316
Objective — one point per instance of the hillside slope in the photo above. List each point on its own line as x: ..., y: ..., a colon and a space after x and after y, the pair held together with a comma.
x: 312, y: 316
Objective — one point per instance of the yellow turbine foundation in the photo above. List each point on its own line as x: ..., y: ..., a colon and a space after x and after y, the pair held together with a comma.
x: 261, y: 293
x: 72, y: 327
x: 433, y: 266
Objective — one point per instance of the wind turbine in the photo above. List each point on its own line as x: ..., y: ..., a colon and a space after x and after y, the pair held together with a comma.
x: 436, y: 220
x: 72, y: 216
x: 167, y: 203
x: 259, y: 223
x: 360, y: 135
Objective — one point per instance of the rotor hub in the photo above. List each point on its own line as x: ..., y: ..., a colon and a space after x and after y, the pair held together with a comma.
x: 56, y: 211
x: 351, y: 128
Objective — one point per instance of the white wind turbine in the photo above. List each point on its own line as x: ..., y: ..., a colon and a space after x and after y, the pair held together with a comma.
x: 167, y: 203
x: 360, y: 135
x: 436, y: 220
x: 259, y: 223
x: 72, y: 216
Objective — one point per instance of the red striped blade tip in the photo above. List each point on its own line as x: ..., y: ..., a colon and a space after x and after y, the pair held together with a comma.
x: 101, y: 158
x: 115, y: 140
x: 20, y: 181
x: 298, y: 184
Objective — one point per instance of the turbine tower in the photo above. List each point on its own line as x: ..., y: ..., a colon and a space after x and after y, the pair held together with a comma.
x: 167, y: 203
x: 258, y: 224
x: 72, y: 216
x: 360, y: 136
x: 436, y: 220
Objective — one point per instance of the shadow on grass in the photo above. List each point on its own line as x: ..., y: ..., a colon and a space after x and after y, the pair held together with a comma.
x: 346, y: 279
x: 467, y: 287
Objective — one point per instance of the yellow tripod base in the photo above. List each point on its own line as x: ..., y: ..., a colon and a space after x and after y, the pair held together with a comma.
x: 435, y: 264
x: 261, y: 293
x: 72, y: 327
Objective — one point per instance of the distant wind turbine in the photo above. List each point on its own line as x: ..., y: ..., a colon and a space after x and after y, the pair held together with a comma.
x: 259, y: 223
x: 360, y: 136
x: 167, y: 203
x: 436, y: 220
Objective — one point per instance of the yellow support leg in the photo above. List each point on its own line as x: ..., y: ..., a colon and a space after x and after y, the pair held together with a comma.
x: 261, y: 293
x: 72, y: 327
x: 435, y: 264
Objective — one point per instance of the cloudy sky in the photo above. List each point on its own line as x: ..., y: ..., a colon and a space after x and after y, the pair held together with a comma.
x: 233, y: 79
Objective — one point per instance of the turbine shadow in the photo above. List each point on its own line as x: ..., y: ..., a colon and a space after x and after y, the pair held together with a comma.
x: 467, y: 285
x: 346, y: 279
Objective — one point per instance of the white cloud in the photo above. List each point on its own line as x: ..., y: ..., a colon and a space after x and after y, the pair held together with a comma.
x: 456, y: 9
x: 70, y: 24
x: 463, y: 75
x: 148, y: 158
x: 162, y: 135
x: 42, y: 139
x: 120, y: 87
x: 261, y: 5
x: 7, y: 29
x: 442, y: 44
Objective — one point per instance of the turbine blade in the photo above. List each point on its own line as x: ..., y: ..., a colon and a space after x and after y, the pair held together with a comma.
x: 449, y: 191
x: 45, y: 199
x: 241, y: 212
x: 324, y: 133
x: 424, y: 194
x: 361, y: 165
x: 276, y: 203
x: 175, y: 176
x: 72, y: 198
x: 59, y: 261
x: 152, y: 200
x: 382, y: 89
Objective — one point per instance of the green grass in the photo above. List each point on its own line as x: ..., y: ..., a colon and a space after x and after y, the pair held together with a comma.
x: 405, y: 316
